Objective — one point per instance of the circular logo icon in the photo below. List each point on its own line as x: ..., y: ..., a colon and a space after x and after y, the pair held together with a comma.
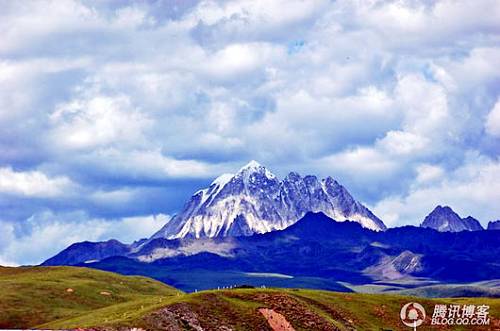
x: 412, y: 314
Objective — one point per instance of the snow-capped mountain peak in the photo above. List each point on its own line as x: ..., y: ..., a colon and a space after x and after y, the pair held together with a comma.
x: 254, y: 200
x: 251, y: 166
x: 254, y: 167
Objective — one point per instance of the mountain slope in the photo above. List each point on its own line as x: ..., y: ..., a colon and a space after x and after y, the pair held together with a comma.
x: 316, y: 252
x: 444, y: 219
x: 87, y: 252
x: 31, y: 296
x: 255, y: 201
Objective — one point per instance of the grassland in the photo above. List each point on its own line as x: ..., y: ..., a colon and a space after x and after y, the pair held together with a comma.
x: 38, y: 297
x: 32, y: 296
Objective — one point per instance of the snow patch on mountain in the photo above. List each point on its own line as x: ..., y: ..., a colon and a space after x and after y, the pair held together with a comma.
x: 192, y: 247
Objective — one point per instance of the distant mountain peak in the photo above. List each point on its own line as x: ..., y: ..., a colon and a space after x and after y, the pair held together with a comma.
x: 254, y: 200
x: 444, y: 219
x: 444, y: 209
x: 494, y: 225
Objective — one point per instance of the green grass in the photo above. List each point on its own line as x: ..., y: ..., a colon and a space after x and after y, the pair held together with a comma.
x: 31, y: 296
x: 345, y: 311
x: 37, y: 298
x: 121, y: 314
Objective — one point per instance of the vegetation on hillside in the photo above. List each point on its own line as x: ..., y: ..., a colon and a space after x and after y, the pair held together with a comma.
x: 38, y: 297
x: 32, y: 296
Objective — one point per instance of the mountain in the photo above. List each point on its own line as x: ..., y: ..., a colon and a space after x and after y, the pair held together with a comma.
x: 472, y: 224
x: 494, y: 225
x: 88, y: 252
x: 445, y: 219
x: 315, y: 252
x: 254, y: 200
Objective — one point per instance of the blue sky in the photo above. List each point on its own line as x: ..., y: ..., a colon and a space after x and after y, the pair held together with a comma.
x: 113, y: 113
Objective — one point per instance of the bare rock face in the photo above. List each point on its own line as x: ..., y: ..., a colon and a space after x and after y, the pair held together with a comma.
x: 445, y: 219
x: 254, y: 200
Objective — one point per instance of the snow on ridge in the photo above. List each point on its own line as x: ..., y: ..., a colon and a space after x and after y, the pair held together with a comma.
x: 222, y: 180
x: 224, y: 249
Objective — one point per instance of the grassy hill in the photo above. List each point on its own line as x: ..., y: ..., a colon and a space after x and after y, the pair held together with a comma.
x: 31, y: 296
x: 38, y: 297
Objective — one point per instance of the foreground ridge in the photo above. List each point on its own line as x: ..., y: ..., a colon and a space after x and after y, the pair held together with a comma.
x: 106, y: 301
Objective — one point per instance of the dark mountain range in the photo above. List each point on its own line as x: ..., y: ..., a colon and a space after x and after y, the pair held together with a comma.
x: 313, y: 252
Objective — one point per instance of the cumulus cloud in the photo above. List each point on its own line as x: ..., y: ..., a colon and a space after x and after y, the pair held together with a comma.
x: 251, y: 20
x: 428, y: 173
x: 119, y: 110
x: 33, y: 183
x: 100, y: 121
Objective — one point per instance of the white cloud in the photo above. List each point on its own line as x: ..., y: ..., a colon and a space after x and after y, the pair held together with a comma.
x: 306, y: 124
x: 493, y: 120
x: 24, y: 24
x: 98, y: 121
x: 113, y: 197
x: 19, y: 81
x: 428, y: 173
x: 479, y: 68
x: 250, y: 19
x: 403, y: 143
x: 406, y: 23
x: 130, y: 229
x: 33, y: 183
x: 364, y: 162
x: 424, y: 105
x: 148, y: 164
x: 237, y: 60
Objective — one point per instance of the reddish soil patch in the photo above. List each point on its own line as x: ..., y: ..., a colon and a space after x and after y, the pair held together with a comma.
x: 276, y: 321
x: 295, y: 311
